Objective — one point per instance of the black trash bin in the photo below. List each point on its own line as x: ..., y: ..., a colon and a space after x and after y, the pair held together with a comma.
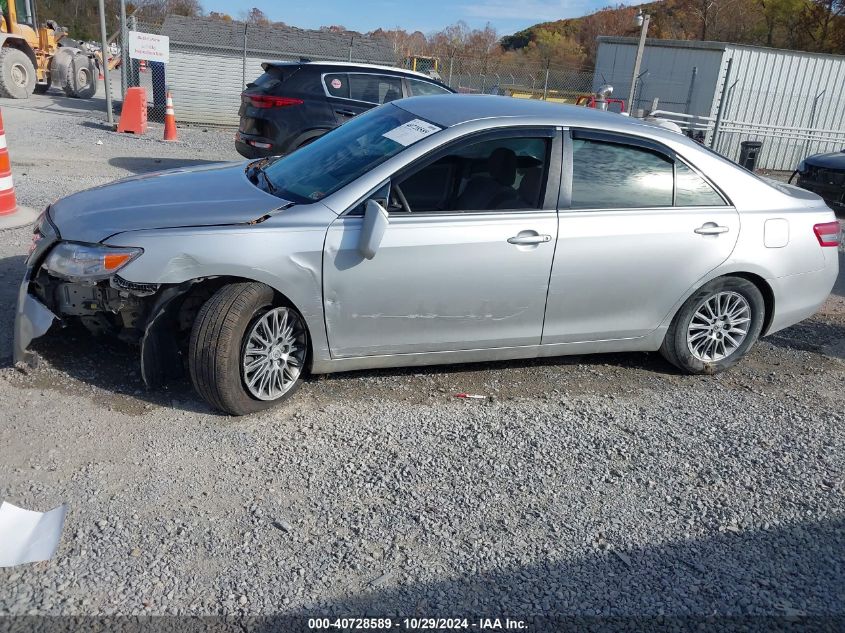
x: 748, y: 153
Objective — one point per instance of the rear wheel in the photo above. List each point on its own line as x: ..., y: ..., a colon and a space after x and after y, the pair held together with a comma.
x: 247, y: 352
x: 715, y: 327
x: 17, y: 74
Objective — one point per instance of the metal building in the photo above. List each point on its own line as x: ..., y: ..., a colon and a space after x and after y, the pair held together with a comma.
x: 792, y: 101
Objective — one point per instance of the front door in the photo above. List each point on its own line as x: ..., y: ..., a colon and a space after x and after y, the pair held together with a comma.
x: 641, y: 229
x: 464, y: 263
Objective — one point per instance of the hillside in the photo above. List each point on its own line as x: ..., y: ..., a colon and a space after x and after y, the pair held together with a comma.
x: 811, y: 25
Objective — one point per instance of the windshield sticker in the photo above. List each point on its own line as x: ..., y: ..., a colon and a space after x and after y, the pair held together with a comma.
x: 411, y: 132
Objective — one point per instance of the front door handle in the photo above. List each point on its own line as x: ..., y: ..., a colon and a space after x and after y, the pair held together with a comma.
x: 529, y: 239
x: 345, y: 112
x: 711, y: 228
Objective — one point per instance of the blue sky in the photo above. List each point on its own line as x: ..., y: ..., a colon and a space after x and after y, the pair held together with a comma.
x: 506, y: 16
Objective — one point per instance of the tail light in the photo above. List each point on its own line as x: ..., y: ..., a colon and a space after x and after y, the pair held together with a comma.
x: 827, y: 234
x: 269, y: 101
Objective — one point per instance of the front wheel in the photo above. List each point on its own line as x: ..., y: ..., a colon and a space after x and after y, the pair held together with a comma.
x: 715, y: 327
x: 247, y: 351
x: 17, y: 74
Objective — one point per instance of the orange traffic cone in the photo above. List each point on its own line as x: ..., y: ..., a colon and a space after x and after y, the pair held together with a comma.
x: 169, y: 120
x: 11, y: 215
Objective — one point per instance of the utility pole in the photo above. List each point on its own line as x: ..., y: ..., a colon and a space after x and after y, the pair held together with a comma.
x: 104, y: 55
x: 643, y: 19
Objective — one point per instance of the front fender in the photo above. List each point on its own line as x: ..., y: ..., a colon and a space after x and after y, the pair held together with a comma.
x: 284, y: 253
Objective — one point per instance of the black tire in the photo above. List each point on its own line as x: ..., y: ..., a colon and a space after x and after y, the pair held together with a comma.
x: 308, y: 141
x: 17, y: 74
x: 82, y: 82
x: 217, y: 344
x: 677, y: 350
x: 61, y: 69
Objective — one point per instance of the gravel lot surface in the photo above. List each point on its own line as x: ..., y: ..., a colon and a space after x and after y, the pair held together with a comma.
x: 603, y: 485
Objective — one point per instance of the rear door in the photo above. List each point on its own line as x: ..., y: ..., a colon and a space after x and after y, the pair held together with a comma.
x: 638, y: 228
x: 350, y: 94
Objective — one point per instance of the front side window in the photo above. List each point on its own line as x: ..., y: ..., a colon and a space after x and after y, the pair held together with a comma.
x: 488, y: 175
x: 346, y: 153
x: 374, y: 88
x: 425, y: 88
x: 614, y: 176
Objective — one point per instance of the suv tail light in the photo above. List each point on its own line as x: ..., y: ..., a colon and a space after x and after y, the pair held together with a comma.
x: 269, y: 101
x: 827, y: 234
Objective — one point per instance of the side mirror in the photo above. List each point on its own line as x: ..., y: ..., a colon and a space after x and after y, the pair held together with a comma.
x: 372, y: 231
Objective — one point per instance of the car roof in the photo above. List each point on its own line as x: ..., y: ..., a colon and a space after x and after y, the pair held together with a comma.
x: 393, y: 69
x: 454, y: 109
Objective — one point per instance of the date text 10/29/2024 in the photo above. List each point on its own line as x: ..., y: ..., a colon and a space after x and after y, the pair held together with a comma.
x: 417, y: 624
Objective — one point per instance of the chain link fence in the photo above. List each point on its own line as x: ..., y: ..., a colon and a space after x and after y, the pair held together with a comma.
x: 211, y: 62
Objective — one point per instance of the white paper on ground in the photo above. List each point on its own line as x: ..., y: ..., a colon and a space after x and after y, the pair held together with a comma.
x: 411, y: 132
x: 27, y: 536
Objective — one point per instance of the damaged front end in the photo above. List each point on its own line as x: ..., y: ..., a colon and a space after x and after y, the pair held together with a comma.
x: 67, y: 281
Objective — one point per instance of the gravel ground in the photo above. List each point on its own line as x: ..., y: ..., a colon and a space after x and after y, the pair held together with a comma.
x: 602, y: 485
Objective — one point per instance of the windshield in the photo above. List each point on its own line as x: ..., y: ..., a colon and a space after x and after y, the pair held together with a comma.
x: 346, y: 153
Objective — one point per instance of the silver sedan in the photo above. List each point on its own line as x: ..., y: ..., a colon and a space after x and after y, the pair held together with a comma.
x: 433, y: 230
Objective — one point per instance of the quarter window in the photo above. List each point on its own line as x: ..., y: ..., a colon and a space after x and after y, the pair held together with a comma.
x: 425, y: 88
x: 337, y: 85
x: 610, y: 175
x: 691, y: 190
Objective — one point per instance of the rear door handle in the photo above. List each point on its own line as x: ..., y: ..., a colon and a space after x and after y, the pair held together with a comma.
x: 529, y: 239
x: 711, y: 228
x: 345, y: 112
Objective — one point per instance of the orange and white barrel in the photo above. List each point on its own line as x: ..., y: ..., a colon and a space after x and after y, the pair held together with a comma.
x: 8, y: 203
x: 12, y: 215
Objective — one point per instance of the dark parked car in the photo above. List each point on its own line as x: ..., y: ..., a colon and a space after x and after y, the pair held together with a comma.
x: 824, y: 174
x: 293, y: 103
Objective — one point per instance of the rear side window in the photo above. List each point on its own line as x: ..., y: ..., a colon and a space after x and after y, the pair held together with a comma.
x: 337, y: 85
x: 615, y: 176
x: 374, y: 88
x: 691, y: 190
x: 424, y: 88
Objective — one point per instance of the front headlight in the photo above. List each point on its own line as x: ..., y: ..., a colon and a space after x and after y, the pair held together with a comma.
x: 90, y: 262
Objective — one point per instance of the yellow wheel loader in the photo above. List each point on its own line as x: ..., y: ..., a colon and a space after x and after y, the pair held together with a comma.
x: 33, y: 57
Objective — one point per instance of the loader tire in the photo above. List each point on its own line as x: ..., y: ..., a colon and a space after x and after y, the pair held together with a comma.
x: 17, y: 74
x: 61, y: 69
x: 83, y: 77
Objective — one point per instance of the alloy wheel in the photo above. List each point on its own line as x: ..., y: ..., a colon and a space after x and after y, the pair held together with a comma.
x: 719, y: 326
x: 274, y: 353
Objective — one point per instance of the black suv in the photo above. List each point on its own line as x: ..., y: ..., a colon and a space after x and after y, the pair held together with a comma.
x: 293, y: 103
x: 824, y: 174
